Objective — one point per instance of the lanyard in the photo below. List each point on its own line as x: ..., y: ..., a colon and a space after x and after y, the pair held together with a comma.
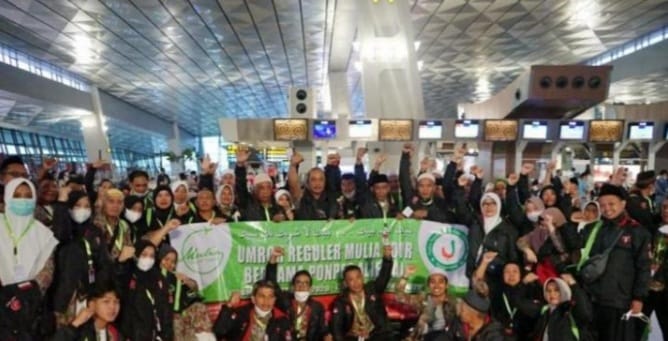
x: 512, y: 311
x: 155, y: 312
x: 17, y: 240
x: 91, y: 267
x: 651, y: 205
x: 260, y: 324
x: 589, y: 245
x: 266, y: 213
x: 358, y: 309
x: 118, y: 242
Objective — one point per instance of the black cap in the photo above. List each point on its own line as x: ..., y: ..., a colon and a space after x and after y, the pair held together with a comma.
x: 379, y: 178
x: 476, y: 301
x: 646, y: 178
x: 75, y: 178
x: 609, y: 189
x: 574, y: 181
x: 348, y: 176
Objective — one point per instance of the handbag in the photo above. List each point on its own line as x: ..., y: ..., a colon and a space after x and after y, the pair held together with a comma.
x: 593, y: 267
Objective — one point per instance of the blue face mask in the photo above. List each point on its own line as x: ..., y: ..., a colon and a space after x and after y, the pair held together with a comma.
x: 21, y: 207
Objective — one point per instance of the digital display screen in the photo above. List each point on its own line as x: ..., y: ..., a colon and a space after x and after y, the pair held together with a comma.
x: 395, y: 130
x: 290, y: 130
x: 430, y: 130
x: 360, y: 129
x: 324, y: 129
x: 501, y: 130
x: 467, y: 129
x: 641, y: 130
x: 606, y: 131
x: 535, y: 130
x: 572, y: 130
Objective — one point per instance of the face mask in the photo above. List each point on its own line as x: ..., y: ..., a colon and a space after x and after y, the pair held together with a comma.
x: 21, y: 207
x: 145, y: 263
x: 132, y: 216
x: 302, y: 296
x: 533, y: 216
x: 177, y: 205
x: 141, y: 195
x: 261, y: 313
x: 80, y: 214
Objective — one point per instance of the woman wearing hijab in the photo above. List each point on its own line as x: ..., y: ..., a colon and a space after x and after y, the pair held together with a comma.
x: 489, y: 233
x: 184, y: 208
x: 26, y: 262
x: 82, y: 262
x: 161, y: 218
x: 518, y: 305
x: 548, y: 247
x: 567, y: 314
x: 226, y: 205
x: 96, y: 321
x: 284, y: 201
x: 147, y: 314
x: 134, y: 210
x: 115, y: 231
x: 590, y: 213
x: 191, y: 317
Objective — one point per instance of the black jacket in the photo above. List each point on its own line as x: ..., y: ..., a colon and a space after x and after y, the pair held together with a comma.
x: 492, y: 331
x: 317, y: 324
x: 20, y: 307
x: 343, y: 312
x: 559, y: 321
x: 74, y: 275
x: 642, y: 210
x: 325, y: 208
x: 86, y: 332
x: 522, y: 299
x: 143, y: 304
x: 233, y: 323
x: 627, y: 274
x: 372, y: 209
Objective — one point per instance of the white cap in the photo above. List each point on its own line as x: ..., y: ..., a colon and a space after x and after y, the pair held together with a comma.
x: 440, y: 272
x: 664, y: 229
x: 227, y: 172
x: 282, y: 192
x: 260, y: 178
x: 427, y: 176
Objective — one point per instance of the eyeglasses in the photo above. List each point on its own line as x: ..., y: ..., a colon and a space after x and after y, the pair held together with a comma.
x: 489, y: 203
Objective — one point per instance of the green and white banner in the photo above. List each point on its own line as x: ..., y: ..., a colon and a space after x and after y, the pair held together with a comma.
x: 231, y: 257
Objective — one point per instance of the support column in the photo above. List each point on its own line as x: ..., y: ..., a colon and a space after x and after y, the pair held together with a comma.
x: 174, y: 144
x: 617, y: 151
x: 520, y: 146
x: 651, y: 153
x: 556, y: 150
x: 94, y: 131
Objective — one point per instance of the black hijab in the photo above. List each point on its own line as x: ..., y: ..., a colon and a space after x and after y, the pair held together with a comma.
x: 162, y: 215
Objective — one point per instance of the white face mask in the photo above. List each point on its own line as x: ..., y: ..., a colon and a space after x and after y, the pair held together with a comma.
x: 145, y: 263
x: 533, y: 216
x: 302, y: 296
x: 132, y: 216
x: 261, y: 313
x: 80, y: 214
x: 141, y: 195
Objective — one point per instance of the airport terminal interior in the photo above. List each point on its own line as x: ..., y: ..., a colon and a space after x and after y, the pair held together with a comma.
x: 239, y: 169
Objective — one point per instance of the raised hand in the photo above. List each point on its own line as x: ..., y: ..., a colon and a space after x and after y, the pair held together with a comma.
x: 463, y: 180
x: 527, y: 168
x: 334, y: 159
x: 552, y: 165
x: 361, y: 151
x: 529, y: 278
x: 208, y: 167
x: 513, y: 179
x: 387, y: 251
x: 477, y: 171
x: 49, y: 163
x: 296, y: 159
x: 408, y: 148
x: 242, y: 156
x: 410, y: 270
x: 99, y: 164
x: 380, y: 159
x: 425, y: 164
x: 64, y: 193
x: 489, y: 256
x: 235, y: 298
x: 276, y: 253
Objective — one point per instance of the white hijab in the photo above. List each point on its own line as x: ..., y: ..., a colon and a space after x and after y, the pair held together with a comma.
x: 219, y: 194
x: 175, y: 185
x: 490, y: 223
x: 34, y: 249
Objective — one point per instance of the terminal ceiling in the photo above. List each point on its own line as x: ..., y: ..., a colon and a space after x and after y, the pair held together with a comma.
x: 195, y: 61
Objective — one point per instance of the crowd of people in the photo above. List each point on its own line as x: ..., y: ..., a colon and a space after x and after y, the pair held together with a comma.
x: 548, y: 259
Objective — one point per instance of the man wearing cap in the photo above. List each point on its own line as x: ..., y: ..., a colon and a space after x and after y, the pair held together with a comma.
x: 473, y: 313
x: 380, y: 205
x: 424, y: 203
x: 624, y: 284
x: 641, y: 203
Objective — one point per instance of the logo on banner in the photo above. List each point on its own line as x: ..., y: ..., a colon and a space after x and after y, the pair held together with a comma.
x: 204, y: 251
x: 445, y: 249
